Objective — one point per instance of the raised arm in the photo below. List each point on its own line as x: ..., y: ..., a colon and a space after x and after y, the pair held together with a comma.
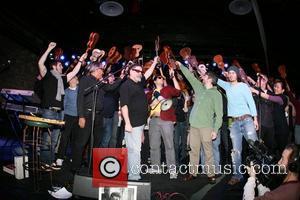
x: 76, y: 69
x: 42, y: 60
x: 173, y: 77
x: 273, y: 98
x: 149, y: 72
x: 196, y: 84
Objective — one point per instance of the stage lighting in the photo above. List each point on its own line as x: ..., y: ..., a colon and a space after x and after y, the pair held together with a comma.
x: 67, y: 63
x: 111, y: 8
x: 62, y: 57
x: 226, y: 65
x: 73, y: 56
x: 214, y: 64
x: 240, y: 7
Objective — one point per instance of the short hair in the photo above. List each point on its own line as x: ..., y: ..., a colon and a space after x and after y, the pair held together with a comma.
x: 54, y: 62
x: 133, y: 66
x: 115, y: 194
x: 93, y: 66
x: 295, y: 151
x: 213, y: 77
x: 281, y: 82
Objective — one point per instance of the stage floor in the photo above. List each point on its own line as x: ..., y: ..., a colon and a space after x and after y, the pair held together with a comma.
x: 11, y: 188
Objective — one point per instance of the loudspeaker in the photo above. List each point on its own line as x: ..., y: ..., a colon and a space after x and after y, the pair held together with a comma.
x: 83, y: 188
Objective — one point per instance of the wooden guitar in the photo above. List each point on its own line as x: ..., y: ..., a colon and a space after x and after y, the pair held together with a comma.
x: 93, y: 39
x: 219, y: 60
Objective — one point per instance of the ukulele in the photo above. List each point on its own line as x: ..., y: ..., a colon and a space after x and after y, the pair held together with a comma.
x: 282, y: 71
x: 219, y: 60
x: 93, y: 39
x: 185, y: 53
x: 113, y: 56
x: 58, y: 52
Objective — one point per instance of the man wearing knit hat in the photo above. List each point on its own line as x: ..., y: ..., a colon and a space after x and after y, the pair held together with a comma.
x: 242, y: 110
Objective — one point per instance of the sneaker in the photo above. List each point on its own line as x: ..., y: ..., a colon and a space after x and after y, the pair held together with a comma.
x: 56, y: 166
x: 46, y: 167
x: 62, y: 193
x: 173, y: 175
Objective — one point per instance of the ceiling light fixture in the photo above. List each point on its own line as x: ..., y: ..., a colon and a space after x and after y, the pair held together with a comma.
x: 111, y: 8
x: 240, y: 7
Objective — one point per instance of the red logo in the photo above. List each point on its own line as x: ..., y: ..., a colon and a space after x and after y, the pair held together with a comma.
x: 110, y: 167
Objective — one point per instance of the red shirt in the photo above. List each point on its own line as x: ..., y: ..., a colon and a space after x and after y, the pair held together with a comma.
x: 167, y: 92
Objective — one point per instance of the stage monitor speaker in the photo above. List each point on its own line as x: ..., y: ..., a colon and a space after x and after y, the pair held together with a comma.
x: 83, y: 188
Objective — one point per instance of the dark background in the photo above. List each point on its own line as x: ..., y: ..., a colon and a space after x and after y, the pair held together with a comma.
x: 206, y: 26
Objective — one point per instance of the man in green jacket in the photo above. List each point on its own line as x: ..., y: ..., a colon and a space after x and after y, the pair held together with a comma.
x: 205, y: 121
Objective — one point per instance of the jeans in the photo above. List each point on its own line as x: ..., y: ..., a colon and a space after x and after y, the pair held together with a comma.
x: 180, y: 140
x: 46, y: 155
x: 239, y: 129
x: 133, y: 144
x: 114, y: 133
x: 107, y: 132
x: 216, y: 153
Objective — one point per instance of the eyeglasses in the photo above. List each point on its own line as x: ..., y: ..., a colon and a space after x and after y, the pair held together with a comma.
x: 138, y: 71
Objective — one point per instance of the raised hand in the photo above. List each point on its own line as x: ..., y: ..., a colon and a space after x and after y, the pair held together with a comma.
x: 51, y: 45
x: 83, y: 57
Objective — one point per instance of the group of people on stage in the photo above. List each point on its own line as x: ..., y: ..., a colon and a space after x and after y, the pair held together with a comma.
x: 205, y: 104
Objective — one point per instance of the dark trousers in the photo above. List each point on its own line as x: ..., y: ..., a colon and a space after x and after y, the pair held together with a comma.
x: 82, y: 137
x: 267, y: 135
x: 225, y: 144
x: 71, y: 127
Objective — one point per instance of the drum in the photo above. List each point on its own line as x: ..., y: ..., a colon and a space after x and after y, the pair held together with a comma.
x: 166, y: 104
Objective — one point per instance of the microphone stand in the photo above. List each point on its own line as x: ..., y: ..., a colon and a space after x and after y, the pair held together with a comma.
x: 259, y: 107
x: 94, y: 88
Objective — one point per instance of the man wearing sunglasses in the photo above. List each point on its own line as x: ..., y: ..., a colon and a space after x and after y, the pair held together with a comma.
x: 134, y: 109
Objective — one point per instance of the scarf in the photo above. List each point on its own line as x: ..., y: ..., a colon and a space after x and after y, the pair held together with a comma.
x: 60, y: 85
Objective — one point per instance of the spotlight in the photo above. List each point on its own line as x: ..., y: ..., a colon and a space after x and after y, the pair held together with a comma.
x: 123, y: 63
x: 226, y: 65
x: 214, y: 64
x: 73, y: 56
x: 186, y: 62
x: 103, y: 63
x: 51, y: 54
x: 207, y: 64
x: 67, y: 63
x: 88, y: 62
x: 62, y: 57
